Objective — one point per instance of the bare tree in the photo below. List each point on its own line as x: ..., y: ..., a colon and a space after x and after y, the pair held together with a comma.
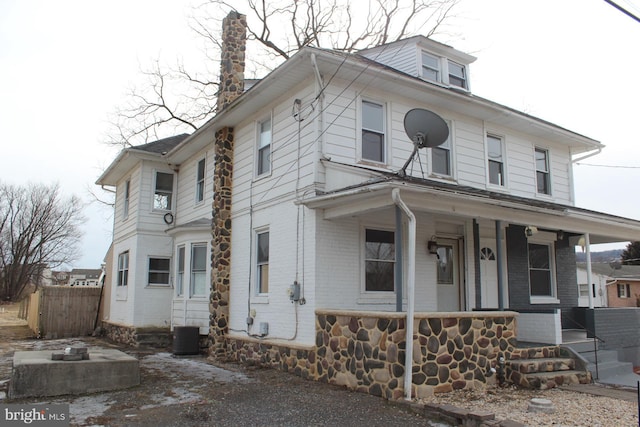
x: 39, y: 229
x: 175, y: 100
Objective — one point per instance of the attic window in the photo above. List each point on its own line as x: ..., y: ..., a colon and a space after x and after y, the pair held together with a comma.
x: 442, y: 70
x: 430, y: 67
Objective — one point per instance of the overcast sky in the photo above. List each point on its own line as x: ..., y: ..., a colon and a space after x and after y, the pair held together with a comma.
x: 66, y: 65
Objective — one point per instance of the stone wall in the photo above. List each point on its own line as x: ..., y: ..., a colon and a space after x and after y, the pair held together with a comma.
x: 137, y: 336
x: 364, y: 351
x: 120, y: 333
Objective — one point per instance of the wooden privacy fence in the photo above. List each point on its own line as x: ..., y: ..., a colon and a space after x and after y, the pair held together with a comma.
x: 63, y: 311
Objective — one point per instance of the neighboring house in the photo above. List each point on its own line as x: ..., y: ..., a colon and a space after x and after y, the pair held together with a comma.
x: 616, y: 285
x: 305, y: 175
x: 85, y: 277
x: 60, y: 278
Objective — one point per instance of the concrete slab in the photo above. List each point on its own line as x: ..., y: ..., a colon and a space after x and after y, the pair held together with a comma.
x: 35, y: 374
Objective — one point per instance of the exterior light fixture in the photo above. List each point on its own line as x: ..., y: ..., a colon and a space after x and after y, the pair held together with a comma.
x: 432, y: 245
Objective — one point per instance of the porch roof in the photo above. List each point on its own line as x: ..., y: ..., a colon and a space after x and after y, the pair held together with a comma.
x: 425, y: 195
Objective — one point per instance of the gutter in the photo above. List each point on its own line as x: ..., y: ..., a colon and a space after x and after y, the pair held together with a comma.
x: 411, y: 276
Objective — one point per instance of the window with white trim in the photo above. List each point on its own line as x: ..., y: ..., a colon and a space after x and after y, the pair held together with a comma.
x: 541, y: 270
x: 199, y: 269
x: 379, y: 260
x: 624, y: 290
x: 373, y: 131
x: 123, y: 269
x: 457, y: 75
x: 543, y: 180
x: 495, y: 159
x: 264, y: 147
x: 441, y: 158
x: 430, y: 67
x: 163, y: 194
x: 127, y: 193
x: 262, y: 262
x: 159, y: 271
x: 180, y: 271
x: 200, y: 181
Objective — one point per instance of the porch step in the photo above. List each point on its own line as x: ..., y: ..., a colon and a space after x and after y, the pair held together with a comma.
x: 156, y: 338
x: 526, y: 366
x: 547, y: 380
x: 544, y: 367
x: 584, y: 346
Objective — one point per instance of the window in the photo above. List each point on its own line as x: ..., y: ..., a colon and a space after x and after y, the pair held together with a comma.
x: 373, y: 131
x: 199, y: 269
x: 200, y: 181
x: 624, y: 290
x: 127, y: 190
x: 496, y: 160
x: 542, y: 171
x: 379, y: 260
x: 441, y: 158
x: 123, y: 269
x: 541, y: 282
x: 263, y: 262
x: 164, y: 191
x: 430, y: 67
x: 457, y: 76
x: 445, y: 265
x: 264, y: 147
x: 180, y: 275
x: 159, y: 271
x: 584, y: 289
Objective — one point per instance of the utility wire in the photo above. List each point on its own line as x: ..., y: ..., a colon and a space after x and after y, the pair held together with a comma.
x: 623, y: 10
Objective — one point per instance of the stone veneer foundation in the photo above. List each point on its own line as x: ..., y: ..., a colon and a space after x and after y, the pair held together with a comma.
x: 364, y: 351
x: 137, y: 336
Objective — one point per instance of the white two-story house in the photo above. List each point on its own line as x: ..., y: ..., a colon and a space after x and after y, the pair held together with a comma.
x: 294, y: 229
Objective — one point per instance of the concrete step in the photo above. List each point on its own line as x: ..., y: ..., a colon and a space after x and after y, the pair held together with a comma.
x: 154, y: 339
x: 603, y: 356
x: 526, y: 366
x: 610, y: 368
x: 547, y: 380
x: 581, y: 346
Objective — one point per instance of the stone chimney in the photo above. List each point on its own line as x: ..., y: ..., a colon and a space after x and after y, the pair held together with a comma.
x: 234, y: 36
x: 234, y: 31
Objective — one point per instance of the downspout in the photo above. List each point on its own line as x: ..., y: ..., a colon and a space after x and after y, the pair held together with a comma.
x: 411, y: 274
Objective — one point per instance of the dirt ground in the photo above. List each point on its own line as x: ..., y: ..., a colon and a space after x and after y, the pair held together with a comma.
x: 191, y: 391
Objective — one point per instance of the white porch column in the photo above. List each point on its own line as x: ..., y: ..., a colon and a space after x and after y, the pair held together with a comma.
x: 587, y: 245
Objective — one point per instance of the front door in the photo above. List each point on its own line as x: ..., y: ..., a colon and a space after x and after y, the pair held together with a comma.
x: 450, y: 296
x: 488, y: 274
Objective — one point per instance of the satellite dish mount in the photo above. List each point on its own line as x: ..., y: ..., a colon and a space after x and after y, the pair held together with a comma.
x: 425, y: 129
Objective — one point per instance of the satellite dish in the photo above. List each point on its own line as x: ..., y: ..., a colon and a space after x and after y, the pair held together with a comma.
x: 426, y: 129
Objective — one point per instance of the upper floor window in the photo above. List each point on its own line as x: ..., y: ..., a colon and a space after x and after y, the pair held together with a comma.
x: 159, y: 271
x: 180, y: 272
x: 373, y: 131
x: 541, y: 272
x: 200, y: 181
x: 495, y: 150
x: 127, y: 190
x: 263, y: 262
x: 457, y: 75
x: 123, y: 269
x: 441, y: 158
x: 264, y: 147
x: 379, y: 260
x: 542, y: 171
x: 163, y: 195
x: 430, y: 67
x: 199, y: 269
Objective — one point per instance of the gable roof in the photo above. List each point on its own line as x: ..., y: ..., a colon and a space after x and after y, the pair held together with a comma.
x: 162, y: 145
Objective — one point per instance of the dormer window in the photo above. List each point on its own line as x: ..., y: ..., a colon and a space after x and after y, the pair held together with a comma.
x: 457, y: 75
x: 430, y: 67
x: 445, y: 71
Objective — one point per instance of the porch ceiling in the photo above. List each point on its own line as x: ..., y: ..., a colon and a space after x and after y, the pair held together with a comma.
x: 466, y: 203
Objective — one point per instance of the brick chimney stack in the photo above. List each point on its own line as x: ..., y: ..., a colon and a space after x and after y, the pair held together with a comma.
x: 234, y: 36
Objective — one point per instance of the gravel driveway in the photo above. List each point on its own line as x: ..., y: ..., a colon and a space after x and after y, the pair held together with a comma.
x: 190, y: 391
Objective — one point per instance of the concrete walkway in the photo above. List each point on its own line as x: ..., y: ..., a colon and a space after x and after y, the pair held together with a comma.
x: 606, y: 390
